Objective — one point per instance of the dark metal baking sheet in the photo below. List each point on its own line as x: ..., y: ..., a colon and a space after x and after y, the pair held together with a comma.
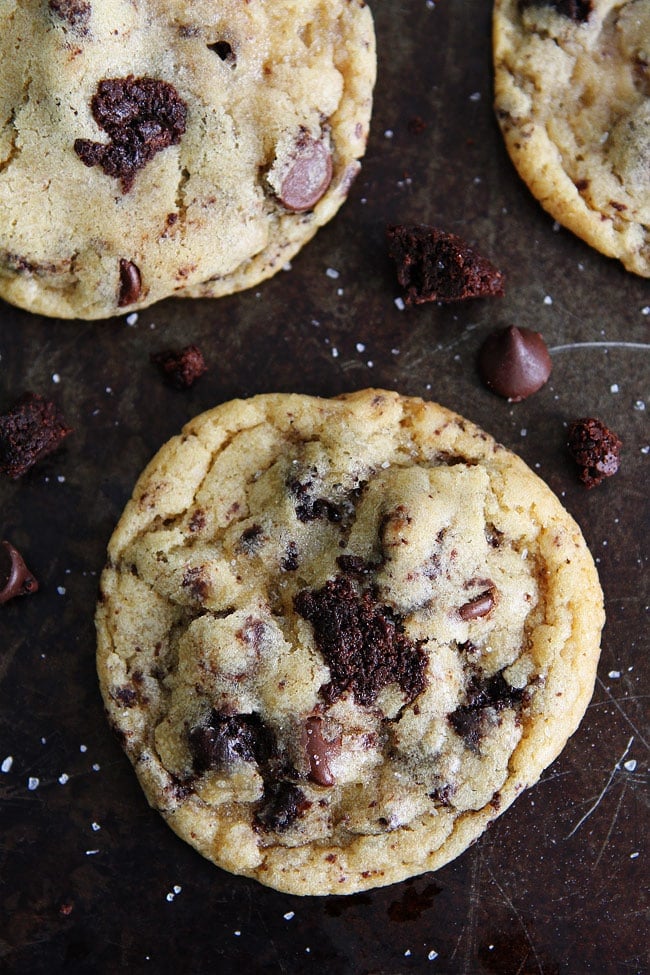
x: 92, y: 880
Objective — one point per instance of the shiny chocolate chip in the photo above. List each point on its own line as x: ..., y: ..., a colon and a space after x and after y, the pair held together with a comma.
x: 481, y: 605
x: 514, y: 362
x: 307, y: 177
x: 130, y: 283
x: 15, y: 577
x: 320, y: 750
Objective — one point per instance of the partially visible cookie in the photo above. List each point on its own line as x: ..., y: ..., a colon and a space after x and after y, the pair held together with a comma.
x: 337, y: 638
x: 572, y: 96
x: 165, y: 148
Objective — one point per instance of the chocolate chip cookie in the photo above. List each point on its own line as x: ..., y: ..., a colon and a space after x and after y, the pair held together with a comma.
x: 337, y: 638
x: 158, y: 149
x: 572, y: 81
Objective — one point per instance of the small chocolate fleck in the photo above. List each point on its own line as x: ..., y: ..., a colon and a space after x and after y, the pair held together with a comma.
x: 281, y: 805
x: 514, y: 362
x: 181, y: 367
x: 31, y: 429
x: 307, y: 177
x: 320, y: 750
x: 15, y: 577
x: 595, y: 448
x: 130, y: 283
x: 479, y: 606
x: 141, y: 116
x: 363, y: 643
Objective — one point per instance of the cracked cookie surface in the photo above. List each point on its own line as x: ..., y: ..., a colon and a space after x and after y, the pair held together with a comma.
x: 158, y: 149
x: 572, y: 96
x: 338, y: 637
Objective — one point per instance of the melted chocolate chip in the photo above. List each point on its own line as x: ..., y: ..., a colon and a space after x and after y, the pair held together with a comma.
x: 595, y: 448
x: 130, y: 283
x: 484, y: 697
x: 30, y: 430
x: 281, y: 805
x: 514, y: 362
x: 74, y: 13
x: 251, y: 539
x: 15, y: 577
x: 362, y: 642
x: 226, y: 739
x: 181, y: 368
x: 320, y: 751
x: 576, y: 10
x: 307, y: 177
x: 141, y: 116
x: 479, y: 606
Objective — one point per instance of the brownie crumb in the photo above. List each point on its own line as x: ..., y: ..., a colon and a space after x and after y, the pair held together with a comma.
x: 31, y: 429
x: 363, y: 643
x: 433, y: 265
x: 576, y: 10
x: 181, y: 367
x: 595, y: 448
x: 15, y: 577
x: 141, y: 116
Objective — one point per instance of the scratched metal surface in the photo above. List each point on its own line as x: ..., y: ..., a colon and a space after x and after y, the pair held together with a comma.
x: 91, y: 880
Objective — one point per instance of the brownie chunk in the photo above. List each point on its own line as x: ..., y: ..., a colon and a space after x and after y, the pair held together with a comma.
x: 595, y: 448
x: 433, y: 265
x: 181, y: 367
x: 30, y: 430
x: 362, y: 642
x: 141, y: 116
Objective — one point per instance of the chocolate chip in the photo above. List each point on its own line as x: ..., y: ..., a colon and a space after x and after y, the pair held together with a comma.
x: 31, y: 429
x: 290, y: 559
x: 74, y: 13
x: 484, y: 697
x: 363, y: 643
x: 181, y: 367
x: 141, y: 116
x: 130, y: 283
x: 282, y: 804
x: 481, y: 605
x: 306, y: 177
x: 433, y: 265
x: 224, y: 50
x: 576, y: 10
x: 595, y: 448
x: 15, y: 577
x: 514, y: 362
x: 225, y: 739
x: 320, y: 750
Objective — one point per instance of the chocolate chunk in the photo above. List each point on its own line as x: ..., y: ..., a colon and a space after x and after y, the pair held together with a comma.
x: 30, y: 430
x: 433, y: 265
x: 576, y: 10
x: 141, y: 116
x: 130, y: 283
x: 481, y: 605
x: 484, y: 697
x: 74, y: 13
x: 251, y: 539
x: 290, y: 560
x: 15, y: 577
x: 363, y: 643
x: 514, y: 362
x: 320, y: 750
x: 595, y: 448
x: 306, y: 176
x: 224, y: 50
x: 181, y: 367
x: 281, y: 805
x: 226, y: 739
x: 309, y: 508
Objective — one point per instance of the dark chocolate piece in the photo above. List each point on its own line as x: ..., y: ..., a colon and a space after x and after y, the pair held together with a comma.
x: 15, y: 577
x: 433, y: 265
x: 363, y: 643
x: 281, y: 805
x: 290, y: 560
x: 484, y: 698
x: 74, y: 13
x: 31, y: 429
x: 319, y: 751
x: 181, y: 367
x: 141, y: 116
x: 130, y: 283
x: 576, y: 10
x: 224, y: 50
x: 308, y: 176
x: 226, y: 739
x: 479, y: 606
x: 514, y: 362
x: 595, y: 448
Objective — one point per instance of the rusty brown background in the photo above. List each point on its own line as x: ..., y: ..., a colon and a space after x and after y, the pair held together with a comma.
x: 91, y: 880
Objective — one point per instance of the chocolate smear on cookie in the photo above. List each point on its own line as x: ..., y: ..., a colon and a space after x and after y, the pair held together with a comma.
x: 362, y: 641
x: 141, y: 116
x: 31, y: 429
x: 15, y: 577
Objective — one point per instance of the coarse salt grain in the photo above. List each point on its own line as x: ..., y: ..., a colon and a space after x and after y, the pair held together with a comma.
x: 95, y: 827
x: 331, y: 272
x: 360, y: 347
x: 63, y: 778
x: 633, y: 856
x: 614, y: 388
x: 399, y: 304
x: 33, y: 783
x: 434, y: 954
x: 335, y: 352
x: 7, y: 763
x: 56, y: 378
x: 61, y: 590
x: 631, y: 765
x: 289, y: 916
x: 91, y: 853
x: 548, y: 300
x: 83, y: 748
x: 614, y: 674
x: 639, y: 405
x: 132, y: 318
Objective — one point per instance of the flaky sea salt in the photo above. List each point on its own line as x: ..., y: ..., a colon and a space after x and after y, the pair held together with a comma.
x: 289, y: 916
x: 630, y: 766
x: 33, y: 783
x: 63, y: 778
x: 7, y: 763
x: 399, y: 304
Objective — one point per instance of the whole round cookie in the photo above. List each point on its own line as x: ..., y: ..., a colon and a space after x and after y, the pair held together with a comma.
x: 572, y: 96
x: 165, y: 148
x: 337, y: 638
